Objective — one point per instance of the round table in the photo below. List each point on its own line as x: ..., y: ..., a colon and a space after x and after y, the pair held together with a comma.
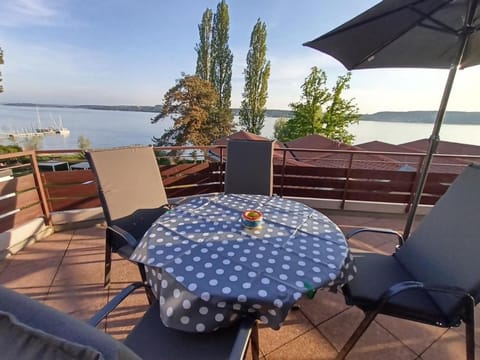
x: 207, y: 269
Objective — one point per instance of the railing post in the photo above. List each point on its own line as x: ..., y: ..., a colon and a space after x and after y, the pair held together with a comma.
x: 221, y: 179
x: 41, y: 190
x: 345, y: 188
x: 282, y: 182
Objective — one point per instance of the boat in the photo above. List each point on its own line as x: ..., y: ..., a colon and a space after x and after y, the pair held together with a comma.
x: 60, y: 129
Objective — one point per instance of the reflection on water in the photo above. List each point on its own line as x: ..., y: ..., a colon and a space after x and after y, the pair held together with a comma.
x: 120, y: 128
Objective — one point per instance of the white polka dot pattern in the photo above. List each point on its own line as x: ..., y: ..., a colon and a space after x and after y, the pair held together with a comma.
x: 206, y: 267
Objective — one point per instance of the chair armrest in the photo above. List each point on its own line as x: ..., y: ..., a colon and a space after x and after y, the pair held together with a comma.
x: 112, y: 304
x: 125, y: 235
x: 408, y: 285
x: 399, y: 236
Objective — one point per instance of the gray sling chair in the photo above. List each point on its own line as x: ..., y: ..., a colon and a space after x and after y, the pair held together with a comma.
x: 30, y: 330
x: 433, y: 277
x: 249, y: 168
x: 132, y: 195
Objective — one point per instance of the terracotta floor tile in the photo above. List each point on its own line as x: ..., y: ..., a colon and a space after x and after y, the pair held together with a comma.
x: 23, y: 274
x: 376, y: 342
x: 310, y: 346
x: 295, y: 325
x: 5, y: 263
x: 128, y: 313
x: 450, y: 346
x: 416, y: 336
x: 81, y: 301
x: 323, y: 306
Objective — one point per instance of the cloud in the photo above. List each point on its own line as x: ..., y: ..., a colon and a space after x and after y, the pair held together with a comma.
x: 16, y: 13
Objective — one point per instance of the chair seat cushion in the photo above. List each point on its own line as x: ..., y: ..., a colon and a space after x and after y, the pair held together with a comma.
x: 19, y: 341
x: 376, y: 273
x: 150, y: 339
x: 57, y: 325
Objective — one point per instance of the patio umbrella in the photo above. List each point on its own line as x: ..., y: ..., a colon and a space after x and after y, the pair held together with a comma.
x: 441, y: 34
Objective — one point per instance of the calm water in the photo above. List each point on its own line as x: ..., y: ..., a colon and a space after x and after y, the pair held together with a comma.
x: 119, y: 128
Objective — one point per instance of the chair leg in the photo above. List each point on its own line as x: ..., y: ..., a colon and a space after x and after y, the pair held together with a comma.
x: 254, y: 342
x: 108, y: 264
x: 148, y: 290
x: 369, y: 317
x: 470, y: 330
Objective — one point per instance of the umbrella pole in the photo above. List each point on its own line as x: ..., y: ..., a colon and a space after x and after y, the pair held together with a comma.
x: 435, y: 138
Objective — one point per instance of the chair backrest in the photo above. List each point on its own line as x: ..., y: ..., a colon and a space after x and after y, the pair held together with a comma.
x: 249, y: 168
x: 445, y: 247
x: 128, y: 180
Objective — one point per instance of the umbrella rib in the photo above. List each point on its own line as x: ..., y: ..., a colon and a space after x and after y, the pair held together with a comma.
x: 442, y: 26
x: 411, y: 7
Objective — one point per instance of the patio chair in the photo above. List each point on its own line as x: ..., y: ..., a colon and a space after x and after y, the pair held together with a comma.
x: 30, y: 330
x: 433, y: 277
x: 249, y: 167
x: 132, y: 195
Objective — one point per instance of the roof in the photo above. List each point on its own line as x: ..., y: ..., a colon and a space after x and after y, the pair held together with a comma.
x: 337, y: 160
x: 441, y: 165
x: 245, y: 135
x: 445, y: 147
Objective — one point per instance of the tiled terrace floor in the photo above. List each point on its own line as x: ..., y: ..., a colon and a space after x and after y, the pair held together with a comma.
x: 65, y: 271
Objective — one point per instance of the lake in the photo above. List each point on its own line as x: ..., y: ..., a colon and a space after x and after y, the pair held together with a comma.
x: 120, y: 128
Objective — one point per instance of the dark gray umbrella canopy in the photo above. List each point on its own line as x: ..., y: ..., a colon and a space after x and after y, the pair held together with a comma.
x: 437, y: 34
x: 403, y: 34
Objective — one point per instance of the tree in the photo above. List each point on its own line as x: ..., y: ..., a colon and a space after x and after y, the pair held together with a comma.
x: 84, y: 143
x: 204, y: 46
x: 257, y: 73
x: 221, y: 71
x: 1, y: 63
x: 32, y: 143
x: 189, y: 104
x: 340, y: 113
x: 320, y: 110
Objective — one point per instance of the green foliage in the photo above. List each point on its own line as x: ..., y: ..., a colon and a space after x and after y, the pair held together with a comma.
x: 203, y: 48
x: 189, y: 104
x: 257, y: 73
x: 320, y: 110
x: 8, y: 149
x: 221, y: 70
x: 84, y: 143
x: 1, y: 63
x: 340, y: 113
x: 280, y: 130
x: 32, y: 143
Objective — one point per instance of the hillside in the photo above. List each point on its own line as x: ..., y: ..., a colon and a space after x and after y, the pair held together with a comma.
x: 451, y: 117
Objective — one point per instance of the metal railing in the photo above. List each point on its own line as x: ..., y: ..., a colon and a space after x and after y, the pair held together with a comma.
x: 339, y: 175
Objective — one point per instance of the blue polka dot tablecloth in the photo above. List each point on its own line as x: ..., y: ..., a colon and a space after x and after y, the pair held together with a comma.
x: 207, y: 269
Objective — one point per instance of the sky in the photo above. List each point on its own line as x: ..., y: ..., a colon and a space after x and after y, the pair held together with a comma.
x: 116, y: 52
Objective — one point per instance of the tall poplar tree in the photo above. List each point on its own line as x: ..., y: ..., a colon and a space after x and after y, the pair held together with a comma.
x: 203, y: 48
x: 221, y: 71
x: 257, y: 73
x: 1, y: 63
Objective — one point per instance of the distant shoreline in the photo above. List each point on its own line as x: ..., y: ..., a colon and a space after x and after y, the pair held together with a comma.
x: 451, y: 117
x: 138, y: 108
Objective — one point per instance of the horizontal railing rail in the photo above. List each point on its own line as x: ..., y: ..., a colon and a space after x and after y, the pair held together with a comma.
x: 340, y: 175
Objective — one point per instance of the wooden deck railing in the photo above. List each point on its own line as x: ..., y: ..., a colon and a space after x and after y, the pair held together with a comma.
x: 341, y: 175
